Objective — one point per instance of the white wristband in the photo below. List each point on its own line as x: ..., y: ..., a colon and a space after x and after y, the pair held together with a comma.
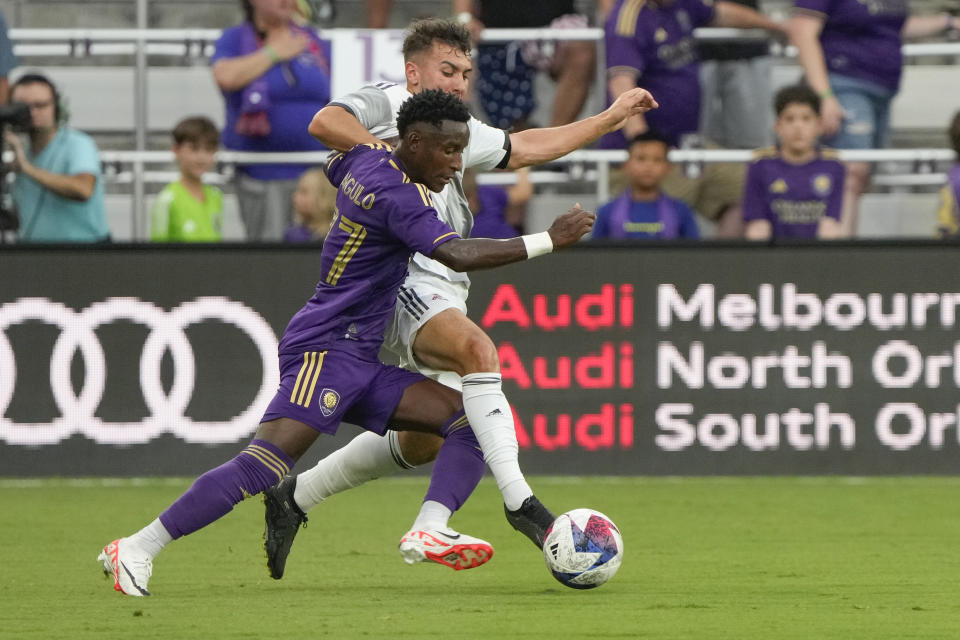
x: 537, y: 244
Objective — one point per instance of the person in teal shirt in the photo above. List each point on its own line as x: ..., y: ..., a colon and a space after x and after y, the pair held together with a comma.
x: 188, y: 210
x: 58, y: 190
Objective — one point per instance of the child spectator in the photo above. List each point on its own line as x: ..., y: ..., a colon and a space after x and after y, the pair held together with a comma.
x: 314, y: 203
x: 644, y: 211
x: 794, y: 190
x: 948, y: 217
x: 498, y: 212
x: 188, y: 210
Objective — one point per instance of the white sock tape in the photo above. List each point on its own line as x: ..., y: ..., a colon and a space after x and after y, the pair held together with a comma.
x: 537, y: 244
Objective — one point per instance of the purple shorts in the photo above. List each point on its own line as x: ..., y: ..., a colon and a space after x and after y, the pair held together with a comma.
x: 324, y: 388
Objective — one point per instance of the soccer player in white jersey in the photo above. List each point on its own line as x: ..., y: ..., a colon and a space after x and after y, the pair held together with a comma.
x: 430, y: 331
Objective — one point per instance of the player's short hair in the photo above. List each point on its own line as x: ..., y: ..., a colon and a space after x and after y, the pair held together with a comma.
x: 422, y: 33
x: 432, y: 106
x: 198, y: 130
x: 955, y: 133
x: 647, y: 136
x: 796, y: 94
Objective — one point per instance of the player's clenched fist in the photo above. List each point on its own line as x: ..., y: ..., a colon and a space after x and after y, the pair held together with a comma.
x: 571, y: 226
x: 630, y: 103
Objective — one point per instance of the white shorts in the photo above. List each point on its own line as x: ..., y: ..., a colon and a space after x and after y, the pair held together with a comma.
x: 422, y: 296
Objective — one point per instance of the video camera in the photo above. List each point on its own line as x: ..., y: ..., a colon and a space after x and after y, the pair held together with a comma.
x: 16, y: 117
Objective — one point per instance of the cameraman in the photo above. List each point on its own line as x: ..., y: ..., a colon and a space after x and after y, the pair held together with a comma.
x: 59, y: 189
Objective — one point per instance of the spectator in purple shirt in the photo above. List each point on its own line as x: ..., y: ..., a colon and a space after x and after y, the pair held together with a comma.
x: 498, y: 212
x: 850, y: 54
x: 643, y: 211
x: 794, y: 190
x: 651, y: 44
x: 274, y: 74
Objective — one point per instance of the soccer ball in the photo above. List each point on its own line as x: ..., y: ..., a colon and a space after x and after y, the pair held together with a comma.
x: 583, y: 548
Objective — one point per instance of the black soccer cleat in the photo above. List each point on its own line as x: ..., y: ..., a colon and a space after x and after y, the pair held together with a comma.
x: 283, y: 518
x: 532, y: 519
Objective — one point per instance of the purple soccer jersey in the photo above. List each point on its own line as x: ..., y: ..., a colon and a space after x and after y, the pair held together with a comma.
x: 656, y: 44
x: 793, y: 197
x: 381, y: 219
x: 861, y: 38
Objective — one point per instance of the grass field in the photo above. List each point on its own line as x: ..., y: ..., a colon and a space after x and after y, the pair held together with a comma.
x: 705, y: 558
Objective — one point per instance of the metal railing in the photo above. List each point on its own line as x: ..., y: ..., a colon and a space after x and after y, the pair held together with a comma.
x: 592, y: 166
x: 198, y: 43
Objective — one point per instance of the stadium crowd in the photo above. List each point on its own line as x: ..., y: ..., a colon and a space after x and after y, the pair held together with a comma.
x: 273, y: 69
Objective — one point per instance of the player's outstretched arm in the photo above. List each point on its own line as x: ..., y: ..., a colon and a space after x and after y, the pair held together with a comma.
x: 339, y: 129
x: 469, y: 254
x: 535, y: 146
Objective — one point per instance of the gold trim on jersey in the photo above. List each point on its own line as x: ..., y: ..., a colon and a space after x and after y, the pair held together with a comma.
x: 425, y: 194
x: 307, y: 378
x: 357, y: 233
x: 627, y: 18
x: 333, y: 159
x: 377, y: 145
x: 393, y: 164
x: 766, y: 152
x: 439, y: 238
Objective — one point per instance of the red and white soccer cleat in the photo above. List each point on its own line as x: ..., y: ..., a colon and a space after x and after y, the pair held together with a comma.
x: 129, y: 566
x: 447, y: 547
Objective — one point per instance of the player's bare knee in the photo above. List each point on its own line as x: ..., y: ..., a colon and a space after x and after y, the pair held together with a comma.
x: 419, y: 448
x: 478, y: 354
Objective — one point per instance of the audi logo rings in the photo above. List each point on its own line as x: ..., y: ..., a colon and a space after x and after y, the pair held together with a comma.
x: 166, y: 333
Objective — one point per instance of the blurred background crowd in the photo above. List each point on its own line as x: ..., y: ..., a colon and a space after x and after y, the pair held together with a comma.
x: 778, y: 118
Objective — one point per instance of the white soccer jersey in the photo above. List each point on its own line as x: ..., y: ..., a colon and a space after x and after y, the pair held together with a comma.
x: 376, y: 106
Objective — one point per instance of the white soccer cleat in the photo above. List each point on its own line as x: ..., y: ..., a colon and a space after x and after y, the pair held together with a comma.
x: 129, y: 565
x: 447, y: 547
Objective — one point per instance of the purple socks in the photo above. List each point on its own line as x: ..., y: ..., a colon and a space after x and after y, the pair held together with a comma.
x: 459, y: 465
x: 259, y: 466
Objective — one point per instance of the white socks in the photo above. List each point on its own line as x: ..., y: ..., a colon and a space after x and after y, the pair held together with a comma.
x: 152, y: 538
x: 490, y: 417
x: 433, y: 515
x: 366, y: 457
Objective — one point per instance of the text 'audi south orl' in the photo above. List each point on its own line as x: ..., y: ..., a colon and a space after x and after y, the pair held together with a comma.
x: 664, y: 361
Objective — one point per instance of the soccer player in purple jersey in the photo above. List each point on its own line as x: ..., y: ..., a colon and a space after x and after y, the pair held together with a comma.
x: 431, y: 332
x: 794, y: 190
x: 329, y: 370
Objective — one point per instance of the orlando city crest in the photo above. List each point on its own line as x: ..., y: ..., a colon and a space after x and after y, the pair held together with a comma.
x: 822, y: 184
x: 329, y: 399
